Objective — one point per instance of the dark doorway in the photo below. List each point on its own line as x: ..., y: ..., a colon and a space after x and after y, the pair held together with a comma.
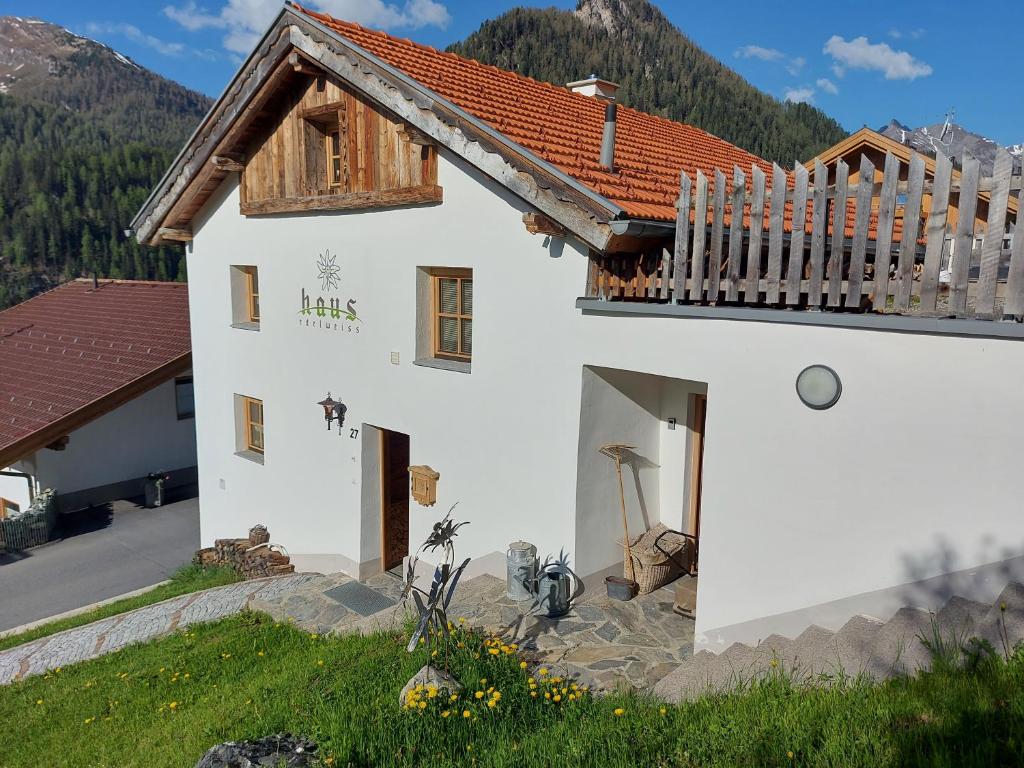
x: 394, y: 497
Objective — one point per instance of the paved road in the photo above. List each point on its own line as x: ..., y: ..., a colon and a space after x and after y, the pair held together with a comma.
x: 108, y: 635
x: 104, y: 554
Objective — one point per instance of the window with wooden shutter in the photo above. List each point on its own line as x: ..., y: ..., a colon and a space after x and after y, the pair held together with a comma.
x: 453, y: 313
x: 254, y: 424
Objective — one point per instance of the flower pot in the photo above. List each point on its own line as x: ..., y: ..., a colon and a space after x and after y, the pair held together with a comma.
x: 620, y: 588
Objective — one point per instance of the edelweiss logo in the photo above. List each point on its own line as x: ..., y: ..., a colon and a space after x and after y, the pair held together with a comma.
x: 328, y: 272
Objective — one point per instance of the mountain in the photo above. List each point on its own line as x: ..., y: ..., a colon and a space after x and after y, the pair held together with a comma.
x: 85, y: 133
x: 951, y: 140
x: 659, y: 69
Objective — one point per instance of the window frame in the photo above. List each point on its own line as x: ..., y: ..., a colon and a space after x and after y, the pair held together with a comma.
x: 179, y: 381
x: 249, y: 423
x: 334, y: 186
x: 252, y: 293
x: 7, y: 507
x: 436, y: 276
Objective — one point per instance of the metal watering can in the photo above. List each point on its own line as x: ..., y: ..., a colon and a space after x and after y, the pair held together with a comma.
x: 556, y: 587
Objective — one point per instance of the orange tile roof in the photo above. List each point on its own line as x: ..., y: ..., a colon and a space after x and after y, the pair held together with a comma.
x: 561, y: 127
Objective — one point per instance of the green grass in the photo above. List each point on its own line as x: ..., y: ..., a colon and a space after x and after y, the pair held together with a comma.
x: 188, y: 578
x: 247, y: 677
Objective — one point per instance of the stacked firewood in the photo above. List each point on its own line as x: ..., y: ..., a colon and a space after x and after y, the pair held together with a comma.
x: 250, y: 557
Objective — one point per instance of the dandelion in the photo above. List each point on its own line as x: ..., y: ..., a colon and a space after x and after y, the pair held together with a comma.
x: 619, y: 712
x: 466, y: 713
x: 446, y: 712
x: 88, y: 720
x: 483, y: 681
x: 557, y: 697
x: 320, y: 662
x: 522, y: 665
x: 39, y: 701
x: 789, y: 754
x: 542, y: 671
x: 161, y: 669
x: 453, y: 697
x: 259, y: 653
x: 547, y: 694
x: 423, y: 705
x: 461, y: 620
x: 479, y: 694
x: 497, y: 695
x: 533, y: 694
x: 531, y: 681
x: 662, y: 711
x: 173, y: 705
x: 492, y: 703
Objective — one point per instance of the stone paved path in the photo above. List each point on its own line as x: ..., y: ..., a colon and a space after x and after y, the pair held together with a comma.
x: 107, y: 635
x: 606, y: 643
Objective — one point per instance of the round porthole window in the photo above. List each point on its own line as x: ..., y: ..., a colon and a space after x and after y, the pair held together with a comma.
x: 818, y: 387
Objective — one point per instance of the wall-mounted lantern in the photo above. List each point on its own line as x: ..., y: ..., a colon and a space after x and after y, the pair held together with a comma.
x: 818, y: 387
x: 424, y: 484
x: 333, y: 410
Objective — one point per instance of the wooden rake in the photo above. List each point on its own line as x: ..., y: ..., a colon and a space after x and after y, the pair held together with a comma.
x: 615, y: 452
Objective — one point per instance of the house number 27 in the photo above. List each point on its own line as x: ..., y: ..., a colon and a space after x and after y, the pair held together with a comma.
x: 353, y: 433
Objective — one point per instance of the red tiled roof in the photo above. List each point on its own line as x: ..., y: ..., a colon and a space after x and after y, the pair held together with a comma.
x: 74, y: 345
x: 561, y: 127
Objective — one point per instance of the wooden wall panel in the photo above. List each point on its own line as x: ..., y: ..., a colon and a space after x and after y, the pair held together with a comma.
x: 288, y: 158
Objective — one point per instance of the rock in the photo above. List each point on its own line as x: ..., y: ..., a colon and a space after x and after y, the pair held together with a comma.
x: 279, y: 751
x: 427, y: 676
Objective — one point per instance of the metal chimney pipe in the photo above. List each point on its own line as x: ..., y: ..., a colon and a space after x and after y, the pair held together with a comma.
x: 608, y: 139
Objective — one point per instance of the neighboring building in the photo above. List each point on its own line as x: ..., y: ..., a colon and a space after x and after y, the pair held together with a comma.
x: 354, y: 207
x: 96, y: 392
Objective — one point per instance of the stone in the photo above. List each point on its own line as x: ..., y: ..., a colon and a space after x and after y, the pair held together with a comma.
x: 279, y: 751
x: 427, y: 676
x: 608, y: 631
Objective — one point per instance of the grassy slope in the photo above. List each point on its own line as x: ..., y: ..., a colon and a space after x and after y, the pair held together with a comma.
x: 189, y: 578
x: 248, y: 677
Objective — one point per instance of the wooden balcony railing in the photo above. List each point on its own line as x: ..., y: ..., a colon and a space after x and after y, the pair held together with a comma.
x: 941, y: 247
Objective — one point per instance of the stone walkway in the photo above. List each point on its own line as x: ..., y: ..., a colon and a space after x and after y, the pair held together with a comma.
x: 100, y: 637
x: 604, y: 642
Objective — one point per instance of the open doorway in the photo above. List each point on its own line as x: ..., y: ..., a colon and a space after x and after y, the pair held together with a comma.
x: 394, y: 499
x: 698, y: 418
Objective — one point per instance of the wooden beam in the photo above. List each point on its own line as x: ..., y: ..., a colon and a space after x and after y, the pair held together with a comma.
x: 177, y: 235
x: 303, y: 65
x: 388, y: 198
x: 322, y: 110
x: 227, y: 163
x: 414, y: 135
x: 539, y: 224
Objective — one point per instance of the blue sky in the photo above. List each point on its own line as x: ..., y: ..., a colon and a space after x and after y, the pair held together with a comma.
x: 861, y: 63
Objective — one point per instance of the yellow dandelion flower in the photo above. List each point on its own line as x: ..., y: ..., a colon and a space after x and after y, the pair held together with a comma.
x: 547, y: 694
x: 161, y: 669
x: 531, y: 681
x: 619, y: 712
x: 492, y: 703
x: 789, y: 755
x: 453, y: 697
x: 320, y: 662
x: 542, y: 671
x: 186, y: 675
x: 173, y: 705
x: 662, y: 711
x: 483, y: 681
x: 557, y: 697
x: 422, y: 640
x: 461, y: 620
x: 460, y: 644
x: 445, y: 713
x: 259, y: 653
x: 522, y: 665
x: 466, y: 713
x: 423, y: 705
x: 39, y: 701
x: 478, y: 695
x: 493, y: 651
x: 432, y: 693
x: 497, y: 695
x: 533, y: 694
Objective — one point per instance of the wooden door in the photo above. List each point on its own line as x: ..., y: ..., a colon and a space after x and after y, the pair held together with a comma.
x: 698, y: 417
x: 394, y: 495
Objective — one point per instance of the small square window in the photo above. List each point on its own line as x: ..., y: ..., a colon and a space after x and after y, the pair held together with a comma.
x: 453, y: 314
x: 250, y: 438
x: 184, y: 398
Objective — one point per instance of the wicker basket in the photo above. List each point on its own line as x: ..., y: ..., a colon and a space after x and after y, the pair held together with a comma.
x: 656, y: 561
x: 258, y: 534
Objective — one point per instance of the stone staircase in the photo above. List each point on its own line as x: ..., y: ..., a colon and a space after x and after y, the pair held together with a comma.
x: 862, y: 646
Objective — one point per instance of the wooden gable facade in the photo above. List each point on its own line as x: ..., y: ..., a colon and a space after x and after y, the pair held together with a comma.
x: 320, y: 145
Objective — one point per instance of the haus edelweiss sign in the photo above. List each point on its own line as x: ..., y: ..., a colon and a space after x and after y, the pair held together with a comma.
x: 326, y: 311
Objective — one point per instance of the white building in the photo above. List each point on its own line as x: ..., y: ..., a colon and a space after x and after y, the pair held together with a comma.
x: 355, y: 205
x: 95, y: 393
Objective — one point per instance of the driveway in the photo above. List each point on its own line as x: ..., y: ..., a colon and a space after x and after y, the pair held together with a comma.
x: 104, y: 553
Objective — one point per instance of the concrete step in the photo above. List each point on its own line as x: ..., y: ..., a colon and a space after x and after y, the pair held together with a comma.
x: 862, y: 646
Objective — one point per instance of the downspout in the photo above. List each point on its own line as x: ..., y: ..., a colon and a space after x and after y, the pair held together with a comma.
x: 28, y: 479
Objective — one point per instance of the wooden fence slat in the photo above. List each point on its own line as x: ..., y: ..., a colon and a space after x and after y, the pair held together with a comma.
x: 798, y: 236
x: 717, y: 227
x: 666, y: 273
x: 835, y: 261
x: 935, y: 232
x: 756, y: 226
x: 682, y: 246
x: 739, y: 189
x: 855, y: 280
x: 776, y: 222
x: 985, y: 303
x: 1014, y: 306
x: 883, y: 235
x: 819, y: 225
x: 700, y: 230
x: 964, y: 244
x: 651, y: 260
x: 911, y: 231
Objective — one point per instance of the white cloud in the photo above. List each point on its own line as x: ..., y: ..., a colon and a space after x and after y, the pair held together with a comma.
x: 859, y: 53
x: 913, y: 34
x: 757, y: 52
x: 795, y: 65
x: 801, y: 95
x: 244, y: 21
x: 827, y: 85
x: 136, y: 35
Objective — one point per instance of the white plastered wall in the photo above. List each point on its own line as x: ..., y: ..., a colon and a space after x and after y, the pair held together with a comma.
x: 912, y: 474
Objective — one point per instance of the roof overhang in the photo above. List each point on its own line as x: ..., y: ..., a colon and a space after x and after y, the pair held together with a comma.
x: 193, y: 176
x: 44, y: 436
